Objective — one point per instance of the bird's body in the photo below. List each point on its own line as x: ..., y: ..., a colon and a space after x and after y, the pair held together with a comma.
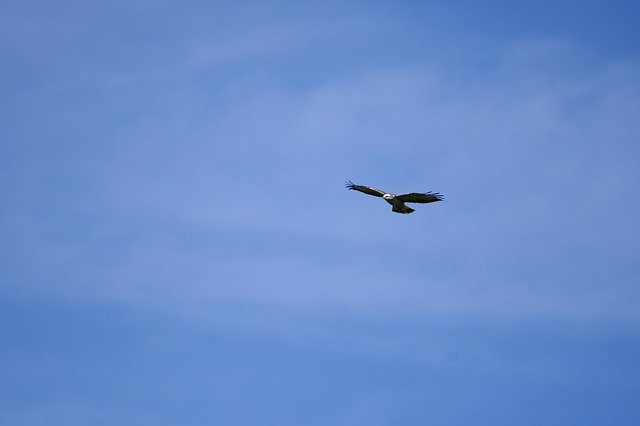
x: 398, y: 206
x: 398, y: 201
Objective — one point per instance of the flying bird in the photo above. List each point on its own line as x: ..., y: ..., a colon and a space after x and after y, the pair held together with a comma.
x: 398, y: 201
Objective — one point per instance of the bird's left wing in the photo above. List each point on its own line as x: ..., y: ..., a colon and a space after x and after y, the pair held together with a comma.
x: 365, y: 189
x: 415, y: 197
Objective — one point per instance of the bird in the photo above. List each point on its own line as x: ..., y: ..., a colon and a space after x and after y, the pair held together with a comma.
x: 398, y: 201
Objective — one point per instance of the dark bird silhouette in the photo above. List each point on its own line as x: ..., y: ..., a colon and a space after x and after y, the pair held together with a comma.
x: 398, y: 201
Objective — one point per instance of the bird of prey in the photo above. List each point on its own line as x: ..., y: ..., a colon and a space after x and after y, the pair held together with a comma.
x: 397, y: 201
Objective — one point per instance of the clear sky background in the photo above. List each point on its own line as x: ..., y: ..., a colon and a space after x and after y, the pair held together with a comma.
x: 177, y: 246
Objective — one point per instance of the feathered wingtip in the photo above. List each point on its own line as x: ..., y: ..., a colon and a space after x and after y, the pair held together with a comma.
x: 349, y: 184
x: 438, y: 195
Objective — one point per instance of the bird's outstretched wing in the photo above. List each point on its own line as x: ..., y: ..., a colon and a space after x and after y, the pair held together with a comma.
x: 415, y: 197
x: 365, y: 189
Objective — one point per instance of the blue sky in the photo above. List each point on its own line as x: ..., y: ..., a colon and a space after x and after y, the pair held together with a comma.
x: 178, y: 246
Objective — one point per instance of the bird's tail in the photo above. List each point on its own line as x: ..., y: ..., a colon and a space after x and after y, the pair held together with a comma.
x: 402, y: 209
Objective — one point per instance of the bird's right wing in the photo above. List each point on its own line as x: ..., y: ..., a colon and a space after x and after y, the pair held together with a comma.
x: 414, y: 197
x: 366, y: 189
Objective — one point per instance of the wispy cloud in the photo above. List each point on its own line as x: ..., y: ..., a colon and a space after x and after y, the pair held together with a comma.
x: 520, y: 154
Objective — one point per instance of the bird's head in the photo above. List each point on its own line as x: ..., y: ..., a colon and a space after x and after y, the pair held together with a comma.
x: 387, y: 196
